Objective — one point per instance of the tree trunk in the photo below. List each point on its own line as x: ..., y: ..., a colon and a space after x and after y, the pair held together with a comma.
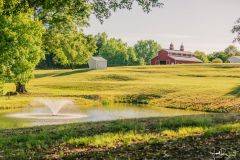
x: 72, y: 66
x: 21, y: 88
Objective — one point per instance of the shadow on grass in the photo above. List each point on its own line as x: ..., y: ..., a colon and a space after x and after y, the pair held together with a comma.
x: 224, y: 66
x: 230, y: 76
x: 188, y: 148
x: 67, y: 73
x: 200, y: 75
x: 192, y: 75
x: 235, y: 91
x: 115, y: 77
x: 45, y: 75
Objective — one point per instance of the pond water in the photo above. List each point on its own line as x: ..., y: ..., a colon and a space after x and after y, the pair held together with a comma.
x: 22, y: 118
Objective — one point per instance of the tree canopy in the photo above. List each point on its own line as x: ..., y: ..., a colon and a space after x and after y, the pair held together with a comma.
x: 146, y: 49
x: 202, y: 56
x: 69, y: 47
x: 79, y: 10
x: 224, y: 55
x: 20, y: 47
x: 236, y: 30
x: 117, y: 53
x: 218, y: 55
x: 232, y: 51
x: 101, y: 40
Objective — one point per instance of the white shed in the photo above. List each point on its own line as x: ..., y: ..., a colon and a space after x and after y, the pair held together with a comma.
x: 97, y: 63
x: 234, y: 59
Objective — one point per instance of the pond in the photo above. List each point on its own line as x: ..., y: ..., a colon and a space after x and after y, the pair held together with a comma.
x: 30, y: 116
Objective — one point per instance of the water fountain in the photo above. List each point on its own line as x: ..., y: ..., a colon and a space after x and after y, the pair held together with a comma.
x: 55, y: 105
x: 49, y: 109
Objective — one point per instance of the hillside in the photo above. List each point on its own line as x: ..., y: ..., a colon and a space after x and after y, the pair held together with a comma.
x: 198, y: 87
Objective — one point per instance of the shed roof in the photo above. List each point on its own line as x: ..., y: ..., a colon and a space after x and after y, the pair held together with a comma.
x: 97, y: 58
x: 235, y: 57
x: 190, y: 59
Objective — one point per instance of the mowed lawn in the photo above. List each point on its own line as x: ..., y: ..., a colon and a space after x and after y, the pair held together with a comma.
x: 199, y: 87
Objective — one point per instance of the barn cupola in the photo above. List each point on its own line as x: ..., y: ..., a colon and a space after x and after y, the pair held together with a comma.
x: 182, y: 47
x: 171, y: 46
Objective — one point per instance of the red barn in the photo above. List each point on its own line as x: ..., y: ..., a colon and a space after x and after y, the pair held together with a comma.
x: 171, y: 56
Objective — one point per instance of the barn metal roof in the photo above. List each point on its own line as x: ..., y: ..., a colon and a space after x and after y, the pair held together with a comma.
x: 190, y: 59
x: 97, y: 58
x: 178, y: 51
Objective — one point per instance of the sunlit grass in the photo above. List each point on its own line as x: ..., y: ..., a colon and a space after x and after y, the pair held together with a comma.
x: 38, y: 142
x: 198, y: 87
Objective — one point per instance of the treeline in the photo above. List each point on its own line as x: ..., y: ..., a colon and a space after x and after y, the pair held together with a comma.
x: 218, y: 57
x: 66, y: 52
x: 114, y: 50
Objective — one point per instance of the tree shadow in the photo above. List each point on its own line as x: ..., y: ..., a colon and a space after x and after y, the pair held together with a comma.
x: 44, y: 75
x: 192, y: 75
x: 229, y: 76
x: 67, y: 73
x: 191, y: 147
x: 235, y: 91
x: 224, y: 66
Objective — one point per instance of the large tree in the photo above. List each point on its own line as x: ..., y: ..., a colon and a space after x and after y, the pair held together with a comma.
x: 147, y: 49
x: 20, y: 47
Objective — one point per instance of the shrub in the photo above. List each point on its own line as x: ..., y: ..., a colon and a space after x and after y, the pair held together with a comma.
x: 217, y: 60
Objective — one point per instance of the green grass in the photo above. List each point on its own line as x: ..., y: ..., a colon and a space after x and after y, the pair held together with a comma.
x: 126, y: 136
x: 212, y: 88
x: 197, y: 87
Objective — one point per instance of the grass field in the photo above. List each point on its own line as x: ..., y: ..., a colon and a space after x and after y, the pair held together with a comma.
x: 198, y: 87
x: 213, y: 88
x: 185, y: 137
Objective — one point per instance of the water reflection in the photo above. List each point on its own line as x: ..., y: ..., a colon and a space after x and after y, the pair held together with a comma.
x: 96, y: 113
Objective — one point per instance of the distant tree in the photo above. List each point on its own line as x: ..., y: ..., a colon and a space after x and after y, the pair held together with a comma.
x: 236, y: 30
x: 232, y: 51
x: 146, y: 49
x: 141, y: 61
x: 132, y: 60
x: 202, y: 56
x: 115, y: 51
x: 69, y: 47
x: 217, y: 60
x: 221, y: 55
x: 101, y: 39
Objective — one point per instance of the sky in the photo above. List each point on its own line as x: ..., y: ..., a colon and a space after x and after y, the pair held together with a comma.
x: 203, y: 25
